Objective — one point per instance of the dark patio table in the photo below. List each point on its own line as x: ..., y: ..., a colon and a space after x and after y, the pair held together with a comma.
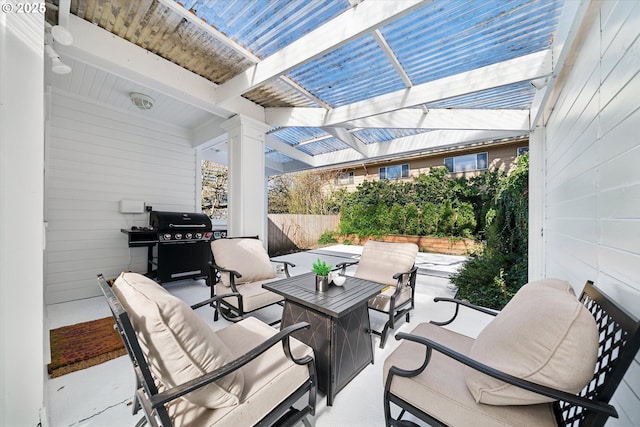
x: 339, y: 319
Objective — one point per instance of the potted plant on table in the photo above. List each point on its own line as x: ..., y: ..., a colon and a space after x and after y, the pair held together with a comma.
x: 322, y: 271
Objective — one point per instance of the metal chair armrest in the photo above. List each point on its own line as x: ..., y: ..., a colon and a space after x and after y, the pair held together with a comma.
x: 342, y: 266
x: 189, y: 386
x: 463, y: 303
x: 214, y: 299
x: 286, y: 265
x: 412, y: 272
x: 232, y: 273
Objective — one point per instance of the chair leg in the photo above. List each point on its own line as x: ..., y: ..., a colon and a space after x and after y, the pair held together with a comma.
x: 383, y: 335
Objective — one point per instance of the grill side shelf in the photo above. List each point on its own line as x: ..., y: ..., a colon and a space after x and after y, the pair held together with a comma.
x: 140, y: 238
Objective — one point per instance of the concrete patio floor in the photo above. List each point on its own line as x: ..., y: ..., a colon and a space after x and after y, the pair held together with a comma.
x: 102, y: 395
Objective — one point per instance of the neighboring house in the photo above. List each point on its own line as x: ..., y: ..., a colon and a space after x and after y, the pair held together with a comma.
x: 467, y: 162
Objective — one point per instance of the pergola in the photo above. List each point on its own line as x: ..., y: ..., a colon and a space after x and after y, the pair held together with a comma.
x: 334, y: 81
x: 319, y: 83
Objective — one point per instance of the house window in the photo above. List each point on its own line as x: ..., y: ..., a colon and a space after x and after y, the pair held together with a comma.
x: 394, y: 172
x: 522, y: 150
x: 467, y: 163
x: 344, y: 178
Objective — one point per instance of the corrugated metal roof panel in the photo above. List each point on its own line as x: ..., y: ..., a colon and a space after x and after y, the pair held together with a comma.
x: 154, y: 27
x: 323, y: 146
x: 296, y: 135
x: 278, y: 157
x: 516, y: 96
x: 351, y: 73
x: 279, y: 94
x: 266, y: 26
x: 311, y: 141
x: 443, y: 39
x: 372, y: 136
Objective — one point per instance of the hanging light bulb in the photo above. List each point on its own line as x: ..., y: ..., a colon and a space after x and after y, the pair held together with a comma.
x: 57, y: 66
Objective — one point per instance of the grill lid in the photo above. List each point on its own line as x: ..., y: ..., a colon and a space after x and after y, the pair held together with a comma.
x: 163, y: 221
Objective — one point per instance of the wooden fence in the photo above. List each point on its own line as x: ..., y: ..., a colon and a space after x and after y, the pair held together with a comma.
x: 290, y: 232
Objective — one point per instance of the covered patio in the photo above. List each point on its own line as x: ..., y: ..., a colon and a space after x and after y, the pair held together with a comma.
x: 75, y: 399
x: 325, y: 85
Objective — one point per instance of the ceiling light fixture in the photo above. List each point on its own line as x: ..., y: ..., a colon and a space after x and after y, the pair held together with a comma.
x: 142, y: 101
x: 57, y: 66
x: 61, y: 35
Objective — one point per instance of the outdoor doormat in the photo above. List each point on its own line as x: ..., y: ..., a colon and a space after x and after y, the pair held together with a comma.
x: 83, y: 345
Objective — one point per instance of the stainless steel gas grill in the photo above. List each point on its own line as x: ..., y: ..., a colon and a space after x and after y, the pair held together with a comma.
x: 183, y: 245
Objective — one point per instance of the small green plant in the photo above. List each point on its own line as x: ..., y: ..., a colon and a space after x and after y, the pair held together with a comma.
x: 321, y: 268
x: 327, y: 237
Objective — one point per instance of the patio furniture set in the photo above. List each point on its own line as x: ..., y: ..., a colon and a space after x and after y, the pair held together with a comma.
x: 548, y: 358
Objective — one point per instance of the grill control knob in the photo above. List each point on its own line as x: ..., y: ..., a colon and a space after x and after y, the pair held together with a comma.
x: 198, y: 235
x: 178, y: 236
x: 188, y: 236
x: 166, y: 236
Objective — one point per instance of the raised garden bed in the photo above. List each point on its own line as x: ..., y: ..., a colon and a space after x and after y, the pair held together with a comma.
x: 440, y: 245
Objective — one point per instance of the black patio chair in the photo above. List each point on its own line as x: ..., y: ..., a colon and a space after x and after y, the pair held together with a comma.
x: 427, y: 376
x: 186, y: 374
x: 241, y: 265
x: 394, y: 265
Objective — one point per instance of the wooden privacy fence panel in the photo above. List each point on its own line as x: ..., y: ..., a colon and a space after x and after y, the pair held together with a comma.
x: 290, y: 232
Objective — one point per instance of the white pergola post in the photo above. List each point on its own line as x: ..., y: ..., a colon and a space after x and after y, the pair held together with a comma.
x: 247, y: 181
x: 536, y: 203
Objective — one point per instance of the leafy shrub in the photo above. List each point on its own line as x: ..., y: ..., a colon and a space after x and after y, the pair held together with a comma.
x: 429, y: 219
x: 447, y: 220
x: 434, y: 204
x: 412, y: 219
x: 383, y: 217
x: 398, y: 219
x: 327, y: 237
x: 465, y: 220
x: 494, y: 277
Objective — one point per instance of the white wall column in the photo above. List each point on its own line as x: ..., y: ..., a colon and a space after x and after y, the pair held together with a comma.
x: 22, y: 367
x: 247, y: 181
x: 536, y: 204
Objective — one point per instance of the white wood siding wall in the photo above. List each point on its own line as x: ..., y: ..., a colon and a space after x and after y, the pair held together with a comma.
x: 21, y: 213
x: 592, y: 224
x: 97, y: 156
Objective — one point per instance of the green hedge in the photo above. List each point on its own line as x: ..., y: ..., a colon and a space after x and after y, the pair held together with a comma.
x: 434, y: 204
x: 493, y: 277
x: 492, y: 208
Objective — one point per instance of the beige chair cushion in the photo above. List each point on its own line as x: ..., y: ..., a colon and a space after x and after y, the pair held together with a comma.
x: 382, y: 301
x: 254, y: 296
x: 440, y: 389
x: 273, y: 378
x: 178, y: 344
x: 544, y: 335
x: 381, y: 260
x: 246, y: 256
x: 560, y: 285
